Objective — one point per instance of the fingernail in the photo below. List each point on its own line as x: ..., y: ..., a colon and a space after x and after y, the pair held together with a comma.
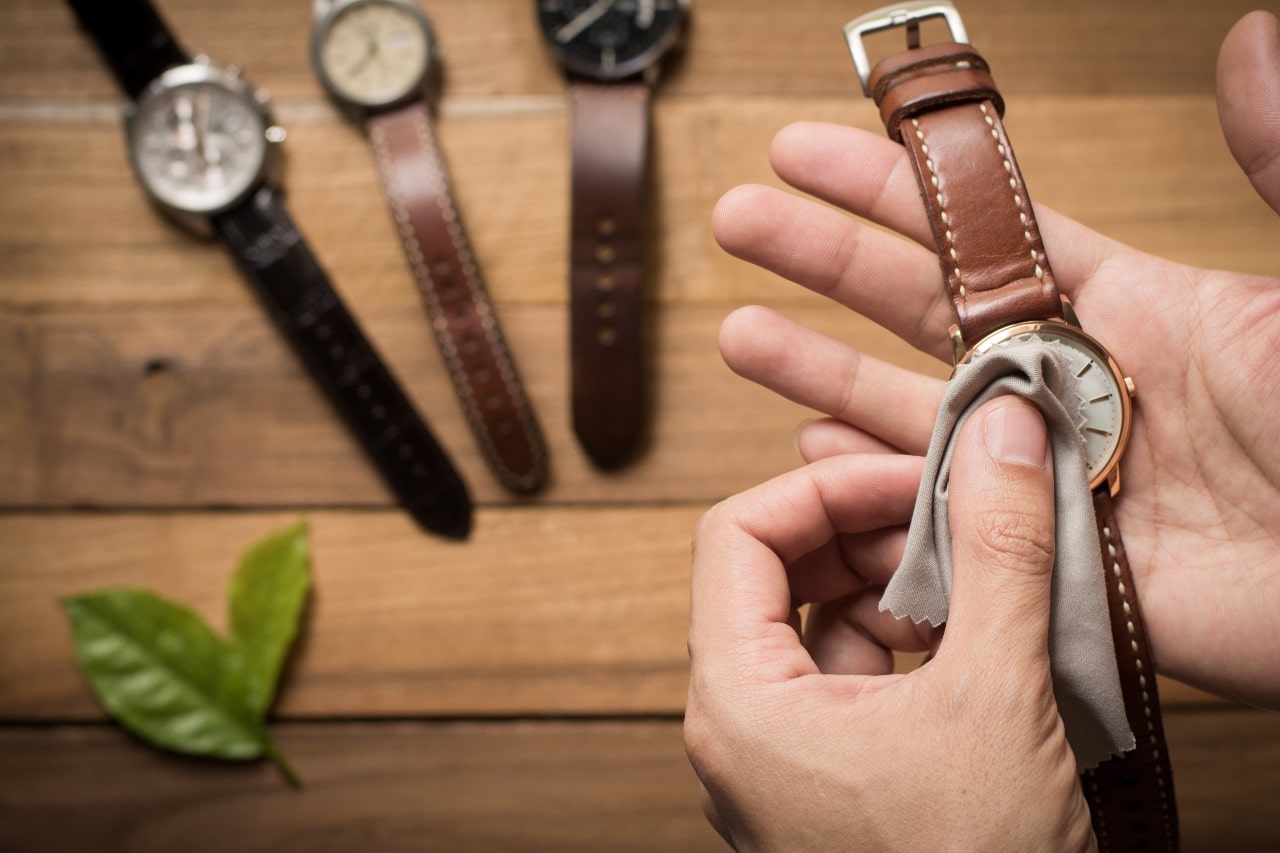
x: 1016, y: 433
x: 795, y: 436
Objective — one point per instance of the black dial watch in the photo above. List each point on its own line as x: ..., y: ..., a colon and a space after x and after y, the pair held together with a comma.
x: 610, y: 50
x: 204, y: 147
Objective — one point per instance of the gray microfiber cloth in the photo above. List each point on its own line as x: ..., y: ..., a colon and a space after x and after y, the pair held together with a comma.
x: 1086, y: 682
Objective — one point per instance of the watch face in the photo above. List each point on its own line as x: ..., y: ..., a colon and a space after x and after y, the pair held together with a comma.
x: 610, y: 39
x: 373, y: 53
x: 198, y: 139
x: 1105, y: 404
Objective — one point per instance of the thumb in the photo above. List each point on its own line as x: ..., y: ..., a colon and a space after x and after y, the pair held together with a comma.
x: 1001, y: 513
x: 1249, y: 100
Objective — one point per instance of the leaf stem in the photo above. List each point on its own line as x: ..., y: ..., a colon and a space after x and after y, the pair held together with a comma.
x: 282, y: 764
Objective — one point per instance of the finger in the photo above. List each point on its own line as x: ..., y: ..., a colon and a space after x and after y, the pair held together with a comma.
x: 895, y: 405
x: 1249, y: 100
x: 741, y: 600
x: 851, y: 636
x: 891, y: 282
x: 1002, y: 537
x: 826, y: 437
x: 850, y: 562
x: 869, y: 175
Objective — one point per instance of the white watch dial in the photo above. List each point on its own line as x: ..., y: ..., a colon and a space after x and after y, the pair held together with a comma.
x: 1103, y: 401
x: 1105, y: 406
x: 198, y: 146
x: 374, y: 53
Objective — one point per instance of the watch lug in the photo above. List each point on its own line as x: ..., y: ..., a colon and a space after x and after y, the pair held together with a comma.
x: 1069, y: 312
x: 958, y: 348
x: 1113, y: 481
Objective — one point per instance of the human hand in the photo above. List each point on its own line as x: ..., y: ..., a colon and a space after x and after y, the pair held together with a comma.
x: 813, y: 743
x: 1200, y: 498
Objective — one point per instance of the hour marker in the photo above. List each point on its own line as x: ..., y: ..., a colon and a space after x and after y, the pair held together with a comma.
x: 1084, y: 369
x: 1097, y: 431
x: 1100, y: 399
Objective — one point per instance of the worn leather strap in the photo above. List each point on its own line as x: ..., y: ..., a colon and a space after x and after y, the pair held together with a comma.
x: 947, y: 113
x: 610, y: 138
x: 132, y: 39
x: 942, y: 104
x: 297, y: 294
x: 1131, y: 798
x: 471, y: 341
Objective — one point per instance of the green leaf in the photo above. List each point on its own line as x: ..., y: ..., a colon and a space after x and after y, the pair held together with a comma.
x: 160, y: 671
x: 268, y: 594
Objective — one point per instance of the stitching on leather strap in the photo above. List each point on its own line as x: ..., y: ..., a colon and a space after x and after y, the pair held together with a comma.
x: 942, y: 210
x: 1152, y: 738
x: 1018, y: 200
x: 417, y: 260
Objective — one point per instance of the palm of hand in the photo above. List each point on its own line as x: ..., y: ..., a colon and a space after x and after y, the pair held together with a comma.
x: 1199, y: 506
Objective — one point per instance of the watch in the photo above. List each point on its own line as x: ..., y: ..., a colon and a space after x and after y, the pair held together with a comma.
x: 941, y: 103
x: 610, y: 51
x: 377, y: 59
x: 203, y: 145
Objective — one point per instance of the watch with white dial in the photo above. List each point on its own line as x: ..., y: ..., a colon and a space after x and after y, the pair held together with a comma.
x: 377, y: 59
x: 610, y: 51
x: 204, y: 147
x: 942, y: 104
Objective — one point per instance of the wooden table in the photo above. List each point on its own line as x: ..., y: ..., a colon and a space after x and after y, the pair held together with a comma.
x: 521, y: 691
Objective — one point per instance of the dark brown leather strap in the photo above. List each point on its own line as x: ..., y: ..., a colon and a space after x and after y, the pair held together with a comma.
x: 1131, y: 798
x: 946, y: 111
x: 610, y: 140
x: 471, y: 341
x: 942, y: 104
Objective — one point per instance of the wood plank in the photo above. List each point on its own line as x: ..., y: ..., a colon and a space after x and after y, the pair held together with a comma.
x: 736, y: 46
x: 548, y: 611
x: 1152, y: 172
x: 198, y: 407
x: 560, y: 786
x: 553, y: 611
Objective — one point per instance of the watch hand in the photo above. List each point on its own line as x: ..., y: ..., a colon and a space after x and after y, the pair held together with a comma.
x: 645, y: 10
x: 574, y: 28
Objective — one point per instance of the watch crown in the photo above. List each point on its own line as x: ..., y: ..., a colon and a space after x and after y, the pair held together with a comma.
x: 1130, y: 387
x: 233, y: 71
x: 261, y: 96
x: 276, y: 134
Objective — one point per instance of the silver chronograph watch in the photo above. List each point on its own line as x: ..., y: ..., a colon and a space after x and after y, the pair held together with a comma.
x: 205, y: 148
x: 378, y: 61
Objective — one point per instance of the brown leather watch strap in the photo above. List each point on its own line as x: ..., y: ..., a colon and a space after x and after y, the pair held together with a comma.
x: 943, y: 106
x: 480, y: 364
x: 610, y: 138
x: 1131, y: 797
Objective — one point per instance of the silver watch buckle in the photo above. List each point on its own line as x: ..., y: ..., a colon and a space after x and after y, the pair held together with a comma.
x: 907, y: 15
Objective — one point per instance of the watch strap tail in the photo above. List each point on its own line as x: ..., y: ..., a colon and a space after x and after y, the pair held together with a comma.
x: 297, y: 293
x: 610, y: 139
x: 466, y: 326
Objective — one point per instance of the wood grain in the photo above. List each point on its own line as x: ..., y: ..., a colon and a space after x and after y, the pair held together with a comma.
x: 571, y: 610
x: 522, y: 690
x: 1151, y: 172
x: 740, y: 47
x: 529, y: 786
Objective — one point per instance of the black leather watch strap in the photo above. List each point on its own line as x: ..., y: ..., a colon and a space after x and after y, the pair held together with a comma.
x: 272, y: 255
x: 132, y: 38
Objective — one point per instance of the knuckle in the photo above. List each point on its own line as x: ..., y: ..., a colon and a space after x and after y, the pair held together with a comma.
x: 1013, y: 539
